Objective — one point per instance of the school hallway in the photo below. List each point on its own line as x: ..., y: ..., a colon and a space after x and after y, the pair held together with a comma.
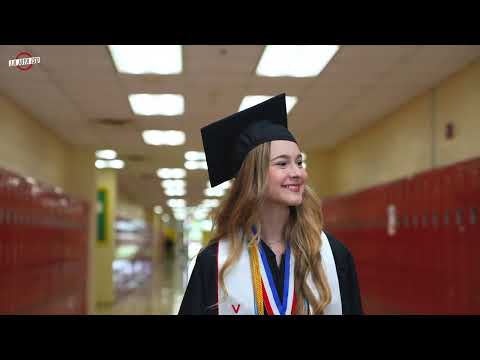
x: 105, y: 192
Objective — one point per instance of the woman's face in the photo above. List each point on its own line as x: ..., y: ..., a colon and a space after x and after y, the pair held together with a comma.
x: 286, y: 175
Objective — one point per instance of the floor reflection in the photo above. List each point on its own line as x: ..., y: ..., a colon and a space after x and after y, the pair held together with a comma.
x: 158, y: 290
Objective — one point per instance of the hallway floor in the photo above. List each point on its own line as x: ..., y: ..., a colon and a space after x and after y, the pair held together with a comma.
x: 160, y: 294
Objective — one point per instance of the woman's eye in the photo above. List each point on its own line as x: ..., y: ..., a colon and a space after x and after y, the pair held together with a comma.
x: 282, y: 163
x: 300, y: 163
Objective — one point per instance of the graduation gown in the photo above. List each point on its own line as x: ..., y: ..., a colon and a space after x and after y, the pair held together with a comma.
x: 201, y: 293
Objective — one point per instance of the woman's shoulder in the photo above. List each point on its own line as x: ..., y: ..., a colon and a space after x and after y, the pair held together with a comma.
x: 208, y: 255
x: 338, y: 248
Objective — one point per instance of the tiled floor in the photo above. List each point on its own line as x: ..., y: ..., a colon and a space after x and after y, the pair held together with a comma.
x: 160, y: 295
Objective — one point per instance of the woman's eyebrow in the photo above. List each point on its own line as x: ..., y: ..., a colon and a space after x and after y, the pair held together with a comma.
x: 285, y: 156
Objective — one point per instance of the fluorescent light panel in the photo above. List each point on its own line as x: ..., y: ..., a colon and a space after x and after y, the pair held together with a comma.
x: 157, y: 104
x: 252, y: 100
x: 180, y: 217
x: 147, y: 59
x: 161, y: 137
x: 175, y: 173
x: 214, y: 192
x: 176, y: 203
x: 194, y: 155
x: 106, y: 154
x: 175, y: 192
x: 173, y: 184
x: 196, y: 165
x: 210, y: 203
x: 109, y: 164
x: 295, y: 60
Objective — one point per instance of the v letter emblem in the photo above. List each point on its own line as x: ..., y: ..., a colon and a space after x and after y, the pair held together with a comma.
x: 236, y: 308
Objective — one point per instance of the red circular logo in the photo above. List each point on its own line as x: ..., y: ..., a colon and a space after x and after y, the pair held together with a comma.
x: 22, y: 55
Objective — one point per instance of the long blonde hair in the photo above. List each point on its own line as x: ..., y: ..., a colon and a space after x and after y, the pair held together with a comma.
x: 239, y: 211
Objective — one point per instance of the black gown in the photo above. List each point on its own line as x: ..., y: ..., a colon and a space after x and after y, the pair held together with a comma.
x: 201, y: 293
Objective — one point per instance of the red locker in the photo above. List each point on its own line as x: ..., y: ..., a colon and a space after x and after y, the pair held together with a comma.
x: 43, y: 249
x: 425, y: 273
x: 13, y: 207
x: 461, y: 245
x: 6, y: 293
x: 432, y: 265
x: 437, y: 250
x: 26, y: 254
x: 387, y: 289
x: 401, y: 274
x: 448, y: 238
x: 3, y: 228
x: 472, y: 236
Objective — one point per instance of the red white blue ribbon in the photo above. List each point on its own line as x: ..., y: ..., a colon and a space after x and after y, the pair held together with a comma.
x: 271, y: 299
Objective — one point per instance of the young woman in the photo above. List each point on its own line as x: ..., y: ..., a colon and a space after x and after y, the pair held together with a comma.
x: 269, y: 254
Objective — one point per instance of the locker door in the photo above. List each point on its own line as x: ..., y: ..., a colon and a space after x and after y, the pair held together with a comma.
x: 472, y: 235
x: 3, y: 227
x: 436, y: 247
x: 404, y: 271
x: 462, y: 270
x: 448, y: 223
x: 425, y: 246
x: 26, y: 247
x: 14, y: 206
x: 6, y: 285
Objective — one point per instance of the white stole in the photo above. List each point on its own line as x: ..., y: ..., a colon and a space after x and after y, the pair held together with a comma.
x: 238, y: 282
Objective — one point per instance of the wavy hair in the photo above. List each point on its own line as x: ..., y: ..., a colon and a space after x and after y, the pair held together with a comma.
x: 239, y: 211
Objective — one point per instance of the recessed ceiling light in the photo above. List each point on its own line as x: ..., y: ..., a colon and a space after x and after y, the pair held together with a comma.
x: 169, y: 184
x: 194, y: 155
x: 112, y: 164
x: 176, y: 173
x: 252, y: 100
x: 214, y: 192
x: 175, y: 192
x: 147, y: 59
x: 196, y: 165
x: 295, y: 60
x: 176, y: 203
x: 157, y: 104
x: 210, y: 203
x: 106, y: 154
x: 161, y: 137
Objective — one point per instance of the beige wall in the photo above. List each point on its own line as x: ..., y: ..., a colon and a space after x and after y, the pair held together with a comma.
x: 319, y: 167
x: 28, y: 148
x: 407, y: 141
x: 397, y: 146
x: 458, y: 101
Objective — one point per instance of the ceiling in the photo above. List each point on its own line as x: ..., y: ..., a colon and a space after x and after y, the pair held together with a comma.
x: 76, y: 86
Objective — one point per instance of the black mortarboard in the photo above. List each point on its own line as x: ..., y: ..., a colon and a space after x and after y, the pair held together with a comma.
x: 228, y: 141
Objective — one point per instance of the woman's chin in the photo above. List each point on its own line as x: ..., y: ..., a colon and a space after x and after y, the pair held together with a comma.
x: 293, y: 201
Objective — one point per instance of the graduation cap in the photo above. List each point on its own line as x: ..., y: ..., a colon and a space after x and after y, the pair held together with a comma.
x: 228, y: 141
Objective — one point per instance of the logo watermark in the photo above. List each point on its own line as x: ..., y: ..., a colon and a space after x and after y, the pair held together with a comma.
x: 24, y: 61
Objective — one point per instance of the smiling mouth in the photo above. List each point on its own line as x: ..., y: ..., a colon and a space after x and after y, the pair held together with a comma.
x: 293, y: 188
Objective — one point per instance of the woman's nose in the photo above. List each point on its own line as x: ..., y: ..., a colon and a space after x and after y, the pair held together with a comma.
x: 295, y: 171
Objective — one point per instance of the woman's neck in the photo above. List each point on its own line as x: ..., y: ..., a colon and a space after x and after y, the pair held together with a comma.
x: 273, y: 218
